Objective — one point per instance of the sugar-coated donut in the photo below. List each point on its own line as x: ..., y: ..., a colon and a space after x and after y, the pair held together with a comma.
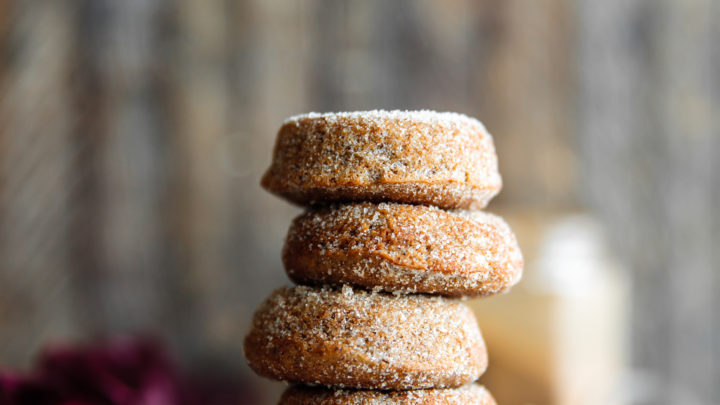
x: 415, y: 157
x: 471, y: 394
x: 340, y: 337
x: 403, y: 248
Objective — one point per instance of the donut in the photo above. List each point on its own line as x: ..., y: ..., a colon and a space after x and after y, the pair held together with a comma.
x: 415, y: 157
x: 346, y: 338
x: 471, y: 394
x: 403, y: 248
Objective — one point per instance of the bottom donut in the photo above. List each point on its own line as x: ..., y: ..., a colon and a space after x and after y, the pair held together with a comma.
x: 471, y: 394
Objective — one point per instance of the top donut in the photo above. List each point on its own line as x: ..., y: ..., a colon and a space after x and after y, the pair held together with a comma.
x: 415, y: 157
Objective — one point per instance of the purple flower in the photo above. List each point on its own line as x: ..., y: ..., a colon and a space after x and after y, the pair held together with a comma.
x: 119, y: 372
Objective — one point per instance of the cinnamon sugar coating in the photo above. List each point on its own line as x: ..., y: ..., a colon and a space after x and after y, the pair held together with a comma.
x: 341, y: 337
x: 416, y: 157
x: 471, y: 394
x: 403, y: 248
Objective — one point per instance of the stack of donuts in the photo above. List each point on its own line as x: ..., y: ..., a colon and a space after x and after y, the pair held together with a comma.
x: 392, y: 239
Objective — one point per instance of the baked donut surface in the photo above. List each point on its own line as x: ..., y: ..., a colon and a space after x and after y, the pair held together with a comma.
x: 403, y: 248
x: 341, y: 337
x: 471, y: 394
x: 416, y: 157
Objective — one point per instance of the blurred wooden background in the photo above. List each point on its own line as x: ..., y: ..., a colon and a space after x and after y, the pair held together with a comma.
x: 133, y: 135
